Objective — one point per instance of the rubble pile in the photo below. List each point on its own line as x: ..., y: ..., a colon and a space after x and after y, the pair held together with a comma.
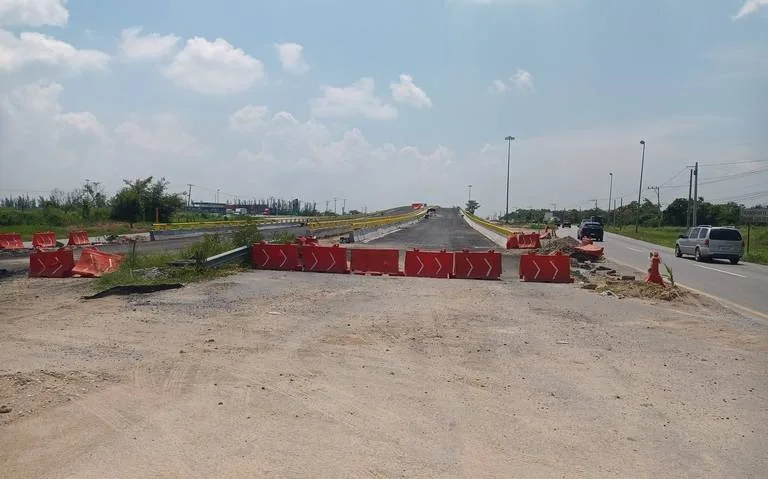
x: 565, y: 245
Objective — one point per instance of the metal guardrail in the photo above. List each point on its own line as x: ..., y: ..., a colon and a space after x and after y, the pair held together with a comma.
x: 360, y: 223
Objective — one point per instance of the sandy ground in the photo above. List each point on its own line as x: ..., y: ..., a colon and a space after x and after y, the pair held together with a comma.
x: 269, y: 374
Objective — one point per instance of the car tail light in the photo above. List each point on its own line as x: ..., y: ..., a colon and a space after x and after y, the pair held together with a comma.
x: 706, y: 242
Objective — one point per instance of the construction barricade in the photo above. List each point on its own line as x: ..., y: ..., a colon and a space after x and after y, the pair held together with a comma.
x: 545, y: 268
x: 94, y: 263
x: 11, y: 241
x: 428, y: 264
x: 44, y: 240
x: 375, y: 261
x: 476, y: 265
x: 280, y: 257
x: 528, y: 241
x: 78, y: 238
x: 512, y: 242
x: 324, y: 259
x: 51, y: 264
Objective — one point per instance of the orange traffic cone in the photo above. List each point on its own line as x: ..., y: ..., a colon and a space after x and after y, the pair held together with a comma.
x: 654, y: 276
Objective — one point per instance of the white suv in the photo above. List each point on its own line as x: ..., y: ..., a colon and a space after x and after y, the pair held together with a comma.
x: 706, y: 242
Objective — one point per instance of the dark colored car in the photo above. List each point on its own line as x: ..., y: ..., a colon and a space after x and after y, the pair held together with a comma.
x: 589, y: 229
x: 566, y: 224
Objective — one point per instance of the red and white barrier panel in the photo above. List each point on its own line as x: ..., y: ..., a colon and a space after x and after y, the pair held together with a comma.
x: 477, y: 265
x: 545, y: 268
x: 44, y: 240
x: 11, y: 241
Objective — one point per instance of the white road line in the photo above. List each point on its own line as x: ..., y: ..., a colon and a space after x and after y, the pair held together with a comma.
x: 634, y: 249
x: 720, y: 271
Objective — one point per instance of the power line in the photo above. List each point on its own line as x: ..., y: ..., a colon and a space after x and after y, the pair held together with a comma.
x: 733, y: 163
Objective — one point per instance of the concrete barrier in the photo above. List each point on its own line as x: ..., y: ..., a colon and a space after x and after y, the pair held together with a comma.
x: 494, y: 236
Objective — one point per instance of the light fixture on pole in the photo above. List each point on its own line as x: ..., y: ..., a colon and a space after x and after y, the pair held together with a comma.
x: 509, y: 140
x: 640, y: 189
x: 469, y: 199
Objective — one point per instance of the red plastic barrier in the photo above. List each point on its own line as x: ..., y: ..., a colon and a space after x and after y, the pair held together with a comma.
x: 528, y: 241
x: 94, y: 263
x: 44, y: 240
x: 512, y: 242
x: 545, y: 268
x: 11, y: 241
x: 428, y: 264
x: 51, y: 264
x: 78, y: 238
x: 590, y: 250
x: 324, y: 259
x: 477, y: 265
x: 377, y: 261
x: 280, y: 257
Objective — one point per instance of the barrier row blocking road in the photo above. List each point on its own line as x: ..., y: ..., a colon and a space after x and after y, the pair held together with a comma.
x: 420, y: 264
x: 60, y: 263
x: 46, y: 239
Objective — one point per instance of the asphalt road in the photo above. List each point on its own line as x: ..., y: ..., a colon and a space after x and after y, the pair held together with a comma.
x: 744, y: 285
x: 443, y: 230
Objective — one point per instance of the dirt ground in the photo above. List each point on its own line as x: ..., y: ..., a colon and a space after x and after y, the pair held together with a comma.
x: 270, y: 374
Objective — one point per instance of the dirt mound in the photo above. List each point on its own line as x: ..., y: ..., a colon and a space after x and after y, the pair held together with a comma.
x: 565, y: 245
x: 641, y: 289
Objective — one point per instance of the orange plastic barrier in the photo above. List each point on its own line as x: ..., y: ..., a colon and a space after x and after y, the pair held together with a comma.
x: 428, y: 264
x: 11, y: 241
x: 375, y: 261
x: 528, y: 241
x: 51, y: 264
x: 324, y: 259
x: 590, y: 250
x: 281, y: 257
x: 476, y: 265
x: 44, y: 240
x: 654, y: 276
x: 78, y: 238
x: 94, y: 263
x: 512, y: 242
x: 545, y: 268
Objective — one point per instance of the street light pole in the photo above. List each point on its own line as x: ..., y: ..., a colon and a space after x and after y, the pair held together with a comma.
x: 610, y: 196
x: 509, y: 140
x: 640, y: 189
x: 469, y: 199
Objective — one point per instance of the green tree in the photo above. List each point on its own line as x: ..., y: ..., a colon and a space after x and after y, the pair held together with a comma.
x: 139, y: 199
x: 472, y: 206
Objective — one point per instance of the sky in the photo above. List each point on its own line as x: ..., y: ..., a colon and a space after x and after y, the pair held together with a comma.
x: 385, y: 103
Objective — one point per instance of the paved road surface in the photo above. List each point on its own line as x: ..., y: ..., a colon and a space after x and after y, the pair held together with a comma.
x: 744, y: 285
x: 444, y: 230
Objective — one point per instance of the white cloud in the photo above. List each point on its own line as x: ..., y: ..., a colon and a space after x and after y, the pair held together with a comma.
x: 215, y: 68
x: 248, y: 119
x: 750, y: 7
x: 153, y: 46
x: 522, y: 79
x: 291, y: 57
x: 163, y: 135
x: 31, y: 47
x: 355, y: 100
x: 34, y: 12
x: 499, y: 86
x: 405, y: 91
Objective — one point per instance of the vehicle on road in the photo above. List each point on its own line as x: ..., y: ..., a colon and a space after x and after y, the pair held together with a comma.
x: 590, y: 229
x: 707, y: 242
x: 566, y: 224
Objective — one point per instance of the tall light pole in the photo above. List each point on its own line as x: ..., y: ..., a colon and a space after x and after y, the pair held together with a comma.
x: 509, y: 140
x: 640, y: 189
x: 469, y: 187
x: 610, y: 196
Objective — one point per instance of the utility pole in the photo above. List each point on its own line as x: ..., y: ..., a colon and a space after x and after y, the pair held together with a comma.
x: 509, y: 139
x: 658, y: 199
x: 610, y: 195
x: 326, y: 205
x: 334, y: 205
x: 640, y: 188
x: 189, y: 195
x: 695, y: 194
x: 344, y: 207
x: 688, y: 211
x: 469, y: 187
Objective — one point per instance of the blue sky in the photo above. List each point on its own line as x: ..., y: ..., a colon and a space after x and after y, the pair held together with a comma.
x: 384, y: 103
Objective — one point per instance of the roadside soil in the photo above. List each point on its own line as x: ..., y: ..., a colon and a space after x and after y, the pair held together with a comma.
x: 282, y: 374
